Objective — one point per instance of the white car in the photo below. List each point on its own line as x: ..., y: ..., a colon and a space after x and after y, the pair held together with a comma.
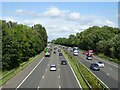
x: 89, y: 57
x: 75, y: 52
x: 53, y: 68
x: 101, y: 64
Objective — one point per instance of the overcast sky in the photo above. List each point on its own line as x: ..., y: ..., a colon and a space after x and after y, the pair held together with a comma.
x: 62, y: 18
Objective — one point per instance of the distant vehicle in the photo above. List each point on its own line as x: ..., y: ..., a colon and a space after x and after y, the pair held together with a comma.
x: 90, y: 52
x: 101, y: 64
x: 53, y: 68
x: 47, y: 52
x: 85, y: 53
x: 75, y: 48
x: 59, y: 50
x: 55, y: 48
x: 63, y: 62
x: 54, y: 52
x: 89, y: 57
x: 60, y: 54
x: 95, y: 66
x: 75, y: 52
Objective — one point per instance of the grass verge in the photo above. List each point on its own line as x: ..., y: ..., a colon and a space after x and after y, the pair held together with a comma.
x: 102, y: 56
x: 16, y: 70
x: 73, y: 65
x: 91, y: 79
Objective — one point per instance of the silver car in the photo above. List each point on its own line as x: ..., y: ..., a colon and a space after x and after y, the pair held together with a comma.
x: 95, y: 66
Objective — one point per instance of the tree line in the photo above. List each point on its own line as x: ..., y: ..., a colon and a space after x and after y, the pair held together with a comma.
x: 104, y: 40
x: 20, y: 42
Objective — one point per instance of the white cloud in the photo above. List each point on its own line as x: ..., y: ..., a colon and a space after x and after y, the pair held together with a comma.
x: 74, y: 16
x: 109, y: 23
x: 53, y: 12
x: 65, y: 22
x: 26, y: 13
x: 9, y: 19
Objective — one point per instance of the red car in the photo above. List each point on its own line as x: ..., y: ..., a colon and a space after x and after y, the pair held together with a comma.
x: 85, y: 53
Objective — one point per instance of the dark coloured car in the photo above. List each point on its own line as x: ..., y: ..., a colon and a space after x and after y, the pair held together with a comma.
x: 59, y: 50
x: 54, y: 52
x: 63, y: 62
x: 60, y: 54
x: 95, y: 67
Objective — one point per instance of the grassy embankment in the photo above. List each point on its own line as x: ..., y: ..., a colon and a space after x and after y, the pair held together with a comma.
x: 9, y: 74
x: 80, y: 68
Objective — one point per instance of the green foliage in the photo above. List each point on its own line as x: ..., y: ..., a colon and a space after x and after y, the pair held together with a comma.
x: 104, y: 40
x: 20, y: 42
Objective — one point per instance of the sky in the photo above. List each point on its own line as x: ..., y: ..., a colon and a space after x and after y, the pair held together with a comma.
x: 61, y: 18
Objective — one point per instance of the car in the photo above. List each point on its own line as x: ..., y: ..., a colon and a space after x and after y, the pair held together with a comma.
x: 85, y: 53
x: 59, y: 50
x: 75, y: 52
x: 63, y: 62
x: 53, y: 68
x: 101, y: 64
x: 60, y: 54
x: 54, y: 52
x: 89, y: 57
x: 95, y: 66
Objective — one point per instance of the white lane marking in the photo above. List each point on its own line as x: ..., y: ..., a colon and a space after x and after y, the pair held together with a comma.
x: 107, y: 62
x: 42, y: 77
x: 48, y: 64
x: 59, y: 69
x: 74, y: 73
x: 38, y: 88
x: 59, y: 87
x: 108, y: 74
x: 94, y: 75
x: 29, y: 74
x: 46, y: 69
x: 59, y: 76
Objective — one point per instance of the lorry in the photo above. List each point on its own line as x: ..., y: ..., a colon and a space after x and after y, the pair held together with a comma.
x: 47, y: 52
x: 90, y: 54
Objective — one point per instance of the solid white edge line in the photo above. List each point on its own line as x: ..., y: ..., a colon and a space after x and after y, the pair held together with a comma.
x: 94, y: 75
x: 104, y: 61
x: 42, y: 77
x: 29, y: 74
x: 74, y: 73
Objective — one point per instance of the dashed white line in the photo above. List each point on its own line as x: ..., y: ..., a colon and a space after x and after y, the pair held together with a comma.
x: 48, y: 64
x: 38, y: 88
x: 29, y: 74
x: 59, y: 76
x: 108, y: 74
x: 46, y: 69
x: 42, y: 77
x: 74, y: 74
x: 59, y: 87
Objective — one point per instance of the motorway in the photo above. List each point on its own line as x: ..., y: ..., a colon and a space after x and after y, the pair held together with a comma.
x: 38, y: 75
x: 109, y: 74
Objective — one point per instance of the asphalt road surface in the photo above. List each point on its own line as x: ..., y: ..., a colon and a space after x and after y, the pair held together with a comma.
x: 38, y: 75
x: 109, y: 74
